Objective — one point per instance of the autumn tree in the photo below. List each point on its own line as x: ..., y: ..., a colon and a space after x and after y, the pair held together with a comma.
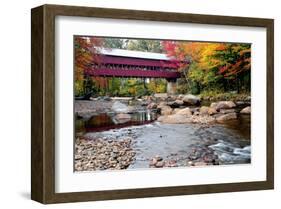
x: 211, y: 65
x: 85, y: 53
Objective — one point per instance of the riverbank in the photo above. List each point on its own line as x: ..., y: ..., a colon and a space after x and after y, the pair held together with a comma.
x: 160, y: 131
x: 172, y: 109
x: 102, y: 154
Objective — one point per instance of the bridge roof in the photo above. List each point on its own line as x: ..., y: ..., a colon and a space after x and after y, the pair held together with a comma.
x: 134, y: 54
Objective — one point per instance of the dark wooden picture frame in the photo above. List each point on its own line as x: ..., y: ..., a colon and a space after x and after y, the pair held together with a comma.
x: 43, y: 103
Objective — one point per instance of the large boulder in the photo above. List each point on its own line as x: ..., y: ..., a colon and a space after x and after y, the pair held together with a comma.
x: 212, y: 111
x: 225, y: 111
x: 226, y: 117
x: 246, y: 110
x: 176, y: 110
x: 166, y: 110
x: 185, y: 111
x: 182, y: 119
x: 161, y: 104
x: 119, y: 107
x: 203, y: 119
x: 190, y: 99
x: 86, y: 114
x: 122, y: 118
x: 204, y: 110
x: 175, y: 104
x: 175, y: 119
x: 223, y: 105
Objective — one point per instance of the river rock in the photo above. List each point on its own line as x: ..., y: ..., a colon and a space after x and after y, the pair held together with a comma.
x: 190, y: 163
x: 149, y: 99
x: 161, y: 104
x: 190, y: 99
x: 175, y: 104
x: 241, y: 102
x: 246, y: 110
x: 180, y: 97
x: 86, y: 114
x: 210, y: 158
x: 200, y: 164
x: 161, y: 95
x: 160, y: 164
x: 176, y: 110
x: 106, y: 98
x: 152, y: 105
x: 155, y: 161
x: 171, y: 163
x: 119, y: 107
x: 158, y: 158
x: 223, y: 105
x: 204, y: 110
x: 196, y: 154
x: 161, y: 118
x: 185, y: 111
x: 212, y: 111
x: 166, y: 110
x: 175, y: 119
x: 121, y: 118
x: 203, y: 119
x: 225, y: 111
x: 152, y: 162
x: 225, y: 117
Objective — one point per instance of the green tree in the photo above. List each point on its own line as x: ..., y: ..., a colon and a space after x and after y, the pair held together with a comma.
x: 145, y: 45
x: 115, y: 43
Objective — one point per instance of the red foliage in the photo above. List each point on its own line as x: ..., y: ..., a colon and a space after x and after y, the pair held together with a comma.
x: 178, y: 56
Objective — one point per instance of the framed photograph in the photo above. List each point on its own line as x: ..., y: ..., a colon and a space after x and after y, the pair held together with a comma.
x: 130, y: 104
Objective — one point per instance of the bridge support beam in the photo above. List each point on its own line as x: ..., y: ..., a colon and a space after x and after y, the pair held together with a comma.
x: 171, y: 86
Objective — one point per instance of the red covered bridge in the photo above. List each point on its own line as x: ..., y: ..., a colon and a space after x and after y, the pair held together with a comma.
x: 126, y: 63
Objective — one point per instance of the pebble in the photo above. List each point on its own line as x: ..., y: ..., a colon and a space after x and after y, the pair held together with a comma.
x: 102, y: 154
x: 159, y: 164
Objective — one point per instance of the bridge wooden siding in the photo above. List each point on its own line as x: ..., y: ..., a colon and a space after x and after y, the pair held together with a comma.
x: 119, y: 72
x: 139, y: 67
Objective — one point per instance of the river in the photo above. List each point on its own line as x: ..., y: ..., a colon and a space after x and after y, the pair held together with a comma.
x: 181, y: 143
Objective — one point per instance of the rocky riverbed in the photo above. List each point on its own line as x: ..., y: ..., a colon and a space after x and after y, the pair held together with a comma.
x: 102, y: 154
x: 164, y: 131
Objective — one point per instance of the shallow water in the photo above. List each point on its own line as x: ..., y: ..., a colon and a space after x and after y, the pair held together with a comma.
x: 229, y: 141
x: 105, y: 121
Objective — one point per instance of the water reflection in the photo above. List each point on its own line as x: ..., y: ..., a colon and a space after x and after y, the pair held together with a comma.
x: 241, y: 126
x: 105, y: 121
